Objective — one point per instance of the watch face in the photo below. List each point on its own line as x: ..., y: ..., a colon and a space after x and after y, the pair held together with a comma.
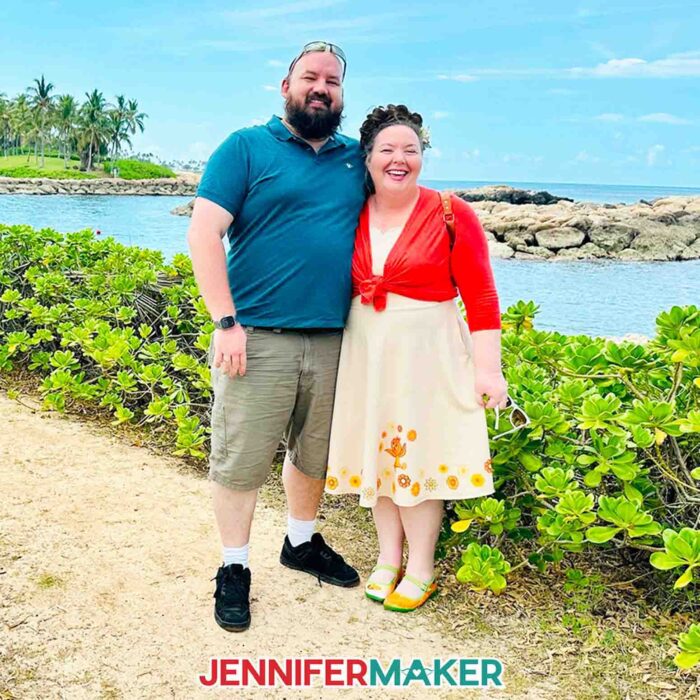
x: 227, y: 322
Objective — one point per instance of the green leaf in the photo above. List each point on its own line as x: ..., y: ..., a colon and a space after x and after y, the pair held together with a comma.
x: 601, y: 534
x: 664, y: 562
x: 685, y: 579
x: 686, y: 659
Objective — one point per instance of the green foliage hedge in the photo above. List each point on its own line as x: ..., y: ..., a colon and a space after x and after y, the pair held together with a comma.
x: 26, y: 171
x: 610, y: 459
x: 138, y: 169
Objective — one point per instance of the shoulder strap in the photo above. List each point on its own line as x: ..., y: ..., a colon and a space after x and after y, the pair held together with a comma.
x: 448, y: 216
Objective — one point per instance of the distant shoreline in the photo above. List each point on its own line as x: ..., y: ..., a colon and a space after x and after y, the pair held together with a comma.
x: 185, y: 184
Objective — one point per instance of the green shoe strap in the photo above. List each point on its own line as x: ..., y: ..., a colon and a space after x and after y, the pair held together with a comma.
x: 423, y: 585
x: 386, y: 567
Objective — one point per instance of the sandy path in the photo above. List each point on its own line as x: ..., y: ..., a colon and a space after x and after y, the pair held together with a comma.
x: 130, y: 537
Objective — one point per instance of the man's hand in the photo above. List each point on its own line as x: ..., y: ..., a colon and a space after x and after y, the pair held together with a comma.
x: 230, y: 350
x: 491, y: 389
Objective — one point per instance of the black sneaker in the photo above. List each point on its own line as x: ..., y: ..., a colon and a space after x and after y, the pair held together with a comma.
x: 232, y: 607
x: 318, y: 559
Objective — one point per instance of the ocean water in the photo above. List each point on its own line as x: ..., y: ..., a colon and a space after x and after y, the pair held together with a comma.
x: 600, y: 298
x: 611, y: 194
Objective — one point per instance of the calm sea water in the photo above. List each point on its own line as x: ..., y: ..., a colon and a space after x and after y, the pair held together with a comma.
x: 600, y: 298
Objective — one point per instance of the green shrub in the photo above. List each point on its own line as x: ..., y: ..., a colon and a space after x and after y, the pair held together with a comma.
x: 138, y: 170
x: 26, y: 171
x: 609, y: 460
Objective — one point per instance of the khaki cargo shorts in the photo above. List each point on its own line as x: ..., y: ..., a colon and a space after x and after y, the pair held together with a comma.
x: 286, y: 393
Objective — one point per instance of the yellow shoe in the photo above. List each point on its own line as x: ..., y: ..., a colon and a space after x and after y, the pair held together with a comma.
x: 379, y: 591
x: 401, y: 603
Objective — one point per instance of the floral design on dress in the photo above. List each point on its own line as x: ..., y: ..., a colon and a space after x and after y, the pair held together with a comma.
x: 411, y: 435
x: 404, y: 481
x: 430, y: 484
x: 331, y: 483
x: 488, y: 466
x: 355, y: 481
x: 443, y: 469
x: 453, y: 481
x: 478, y: 480
x: 415, y: 489
x: 368, y: 492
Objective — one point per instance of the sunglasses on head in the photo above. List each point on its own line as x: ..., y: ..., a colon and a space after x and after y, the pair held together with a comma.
x: 322, y: 46
x: 517, y: 418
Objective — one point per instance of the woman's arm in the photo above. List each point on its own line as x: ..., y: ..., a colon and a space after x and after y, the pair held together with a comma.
x: 471, y: 270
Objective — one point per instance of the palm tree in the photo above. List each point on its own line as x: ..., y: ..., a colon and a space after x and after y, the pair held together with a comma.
x: 94, y: 124
x: 135, y: 118
x: 41, y: 102
x: 5, y: 106
x: 117, y: 132
x: 20, y: 116
x: 66, y: 118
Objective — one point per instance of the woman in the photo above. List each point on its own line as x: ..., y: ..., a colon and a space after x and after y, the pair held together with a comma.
x: 409, y: 426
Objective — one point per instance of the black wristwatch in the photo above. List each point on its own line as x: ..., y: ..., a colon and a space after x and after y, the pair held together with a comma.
x: 226, y: 322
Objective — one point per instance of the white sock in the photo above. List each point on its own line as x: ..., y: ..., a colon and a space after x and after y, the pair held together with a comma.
x: 299, y: 531
x: 235, y: 555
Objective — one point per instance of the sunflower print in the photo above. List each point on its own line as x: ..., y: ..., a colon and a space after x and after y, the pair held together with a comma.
x: 443, y: 469
x: 411, y: 435
x: 331, y: 483
x: 415, y: 489
x: 478, y: 480
x: 453, y: 482
x: 355, y: 481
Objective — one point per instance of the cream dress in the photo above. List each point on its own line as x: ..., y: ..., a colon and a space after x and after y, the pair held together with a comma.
x: 406, y: 424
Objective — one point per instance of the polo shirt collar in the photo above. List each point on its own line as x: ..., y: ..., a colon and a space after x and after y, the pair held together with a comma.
x: 281, y: 132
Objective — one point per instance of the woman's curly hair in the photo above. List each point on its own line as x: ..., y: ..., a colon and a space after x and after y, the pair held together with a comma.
x: 381, y: 117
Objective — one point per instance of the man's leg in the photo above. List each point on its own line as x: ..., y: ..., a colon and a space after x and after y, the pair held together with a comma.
x: 305, y: 464
x: 234, y: 515
x: 303, y: 498
x: 249, y: 415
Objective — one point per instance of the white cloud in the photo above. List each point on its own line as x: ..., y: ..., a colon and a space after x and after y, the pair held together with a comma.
x: 653, y: 153
x: 664, y: 118
x: 460, y: 78
x: 274, y: 63
x: 269, y: 88
x: 199, y: 150
x: 676, y: 65
x: 609, y: 117
x: 257, y: 122
x: 440, y: 115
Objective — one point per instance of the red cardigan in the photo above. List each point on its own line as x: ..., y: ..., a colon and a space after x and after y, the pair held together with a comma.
x: 421, y: 265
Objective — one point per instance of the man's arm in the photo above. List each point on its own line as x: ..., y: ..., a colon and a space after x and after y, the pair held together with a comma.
x: 207, y: 228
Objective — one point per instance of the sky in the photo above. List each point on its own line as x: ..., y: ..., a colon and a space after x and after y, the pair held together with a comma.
x: 596, y: 91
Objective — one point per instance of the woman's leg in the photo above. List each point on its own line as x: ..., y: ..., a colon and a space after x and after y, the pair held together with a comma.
x: 390, y: 535
x: 421, y: 524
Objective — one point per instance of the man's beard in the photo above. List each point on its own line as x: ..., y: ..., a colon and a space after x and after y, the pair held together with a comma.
x: 313, y: 123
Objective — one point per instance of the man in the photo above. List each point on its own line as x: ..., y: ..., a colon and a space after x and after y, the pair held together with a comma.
x: 288, y: 195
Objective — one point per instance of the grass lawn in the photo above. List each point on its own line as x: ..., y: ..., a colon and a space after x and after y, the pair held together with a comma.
x: 17, y: 166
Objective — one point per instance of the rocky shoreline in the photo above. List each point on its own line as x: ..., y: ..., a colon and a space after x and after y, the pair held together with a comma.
x: 538, y: 226
x: 519, y: 224
x: 665, y: 229
x: 180, y: 186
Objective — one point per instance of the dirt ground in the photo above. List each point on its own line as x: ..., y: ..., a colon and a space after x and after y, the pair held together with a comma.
x: 106, y: 556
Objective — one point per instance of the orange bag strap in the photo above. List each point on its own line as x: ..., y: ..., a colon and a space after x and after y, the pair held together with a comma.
x: 448, y: 216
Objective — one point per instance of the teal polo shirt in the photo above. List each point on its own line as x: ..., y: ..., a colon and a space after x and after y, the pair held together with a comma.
x: 294, y: 217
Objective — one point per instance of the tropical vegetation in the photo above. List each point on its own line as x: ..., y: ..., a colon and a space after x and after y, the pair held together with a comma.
x: 93, y: 131
x: 608, y: 463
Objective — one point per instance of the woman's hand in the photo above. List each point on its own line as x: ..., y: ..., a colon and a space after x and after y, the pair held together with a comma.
x: 491, y: 389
